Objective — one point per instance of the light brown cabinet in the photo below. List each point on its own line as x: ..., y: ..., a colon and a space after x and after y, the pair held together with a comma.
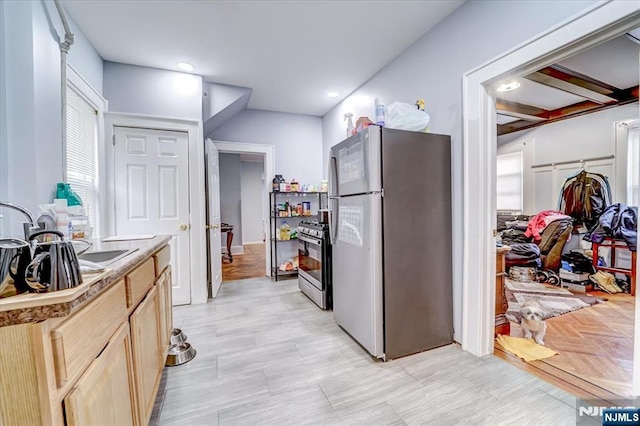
x: 102, y: 363
x: 165, y: 308
x: 72, y: 350
x: 147, y: 353
x: 104, y: 394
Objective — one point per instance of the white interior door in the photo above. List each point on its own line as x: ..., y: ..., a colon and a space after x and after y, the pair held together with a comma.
x: 152, y: 194
x: 213, y: 185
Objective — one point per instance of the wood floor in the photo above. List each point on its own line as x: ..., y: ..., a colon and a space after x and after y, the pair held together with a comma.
x: 247, y: 265
x: 595, y: 349
x: 266, y: 355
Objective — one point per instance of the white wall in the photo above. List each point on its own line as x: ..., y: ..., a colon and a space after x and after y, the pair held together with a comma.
x: 216, y: 97
x: 432, y: 69
x: 297, y: 140
x: 150, y: 91
x: 252, y: 195
x: 31, y: 102
x: 230, y: 197
x: 581, y: 138
x: 84, y: 58
x: 4, y: 148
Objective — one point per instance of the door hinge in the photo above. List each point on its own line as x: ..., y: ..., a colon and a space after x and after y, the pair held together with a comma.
x: 114, y: 140
x: 495, y: 233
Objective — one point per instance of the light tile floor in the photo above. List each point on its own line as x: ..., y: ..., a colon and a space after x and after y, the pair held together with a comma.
x: 267, y: 355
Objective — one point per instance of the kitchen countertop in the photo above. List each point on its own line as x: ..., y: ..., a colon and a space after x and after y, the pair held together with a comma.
x: 33, y: 307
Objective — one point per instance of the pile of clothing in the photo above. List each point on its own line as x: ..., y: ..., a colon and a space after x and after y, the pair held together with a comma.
x: 617, y: 221
x: 535, y: 241
x: 539, y: 222
x: 511, y: 229
x: 523, y: 254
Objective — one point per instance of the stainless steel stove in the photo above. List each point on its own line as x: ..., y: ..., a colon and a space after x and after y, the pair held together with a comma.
x: 314, y: 263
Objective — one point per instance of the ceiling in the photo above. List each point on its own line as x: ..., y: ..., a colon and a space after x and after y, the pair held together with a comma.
x: 291, y: 53
x: 602, y: 77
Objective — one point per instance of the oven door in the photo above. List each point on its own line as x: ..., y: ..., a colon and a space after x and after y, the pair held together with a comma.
x: 310, y: 260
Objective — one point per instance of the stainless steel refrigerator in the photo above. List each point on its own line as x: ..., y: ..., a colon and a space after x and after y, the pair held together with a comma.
x: 390, y: 226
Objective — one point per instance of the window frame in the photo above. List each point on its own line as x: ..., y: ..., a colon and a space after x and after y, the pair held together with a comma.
x: 621, y: 128
x: 630, y: 186
x: 520, y: 154
x: 82, y: 88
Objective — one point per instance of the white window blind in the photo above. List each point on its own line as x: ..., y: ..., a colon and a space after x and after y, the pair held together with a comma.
x: 633, y: 165
x: 509, y: 182
x: 82, y: 153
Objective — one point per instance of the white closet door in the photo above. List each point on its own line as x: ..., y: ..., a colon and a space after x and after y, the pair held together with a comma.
x: 152, y: 194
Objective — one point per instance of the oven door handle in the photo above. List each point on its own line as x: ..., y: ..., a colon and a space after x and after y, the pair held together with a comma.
x: 309, y: 240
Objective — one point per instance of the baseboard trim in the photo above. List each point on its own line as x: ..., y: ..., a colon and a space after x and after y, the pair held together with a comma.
x: 234, y: 249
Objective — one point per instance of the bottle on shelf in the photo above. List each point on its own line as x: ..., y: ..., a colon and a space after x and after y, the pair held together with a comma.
x: 276, y: 183
x: 285, y: 231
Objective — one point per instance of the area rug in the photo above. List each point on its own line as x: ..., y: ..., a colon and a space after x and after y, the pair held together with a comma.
x: 554, y: 301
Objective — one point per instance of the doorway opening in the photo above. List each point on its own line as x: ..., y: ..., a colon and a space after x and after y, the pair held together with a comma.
x: 242, y: 184
x: 554, y: 130
x: 568, y: 38
x: 243, y: 191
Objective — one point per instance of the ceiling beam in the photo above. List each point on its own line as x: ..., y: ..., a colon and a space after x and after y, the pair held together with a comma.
x: 575, y: 83
x: 625, y: 97
x: 522, y: 111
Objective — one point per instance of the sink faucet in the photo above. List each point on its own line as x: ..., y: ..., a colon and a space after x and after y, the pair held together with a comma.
x: 28, y: 227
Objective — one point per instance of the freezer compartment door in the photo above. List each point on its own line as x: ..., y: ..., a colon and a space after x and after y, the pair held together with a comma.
x: 357, y: 270
x: 354, y: 164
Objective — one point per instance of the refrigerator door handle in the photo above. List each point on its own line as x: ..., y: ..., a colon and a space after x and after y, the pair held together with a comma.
x: 333, y: 227
x: 333, y: 197
x: 333, y: 177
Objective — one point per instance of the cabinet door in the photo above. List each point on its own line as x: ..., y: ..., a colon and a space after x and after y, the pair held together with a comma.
x: 169, y: 305
x: 164, y: 309
x: 147, y: 362
x: 104, y: 394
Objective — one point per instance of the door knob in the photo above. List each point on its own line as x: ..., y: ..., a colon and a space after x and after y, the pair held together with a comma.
x: 184, y: 227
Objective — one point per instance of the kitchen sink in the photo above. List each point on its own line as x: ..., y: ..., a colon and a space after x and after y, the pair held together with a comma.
x: 105, y: 257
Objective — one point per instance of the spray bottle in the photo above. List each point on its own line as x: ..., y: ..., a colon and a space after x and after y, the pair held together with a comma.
x: 350, y: 126
x: 379, y: 112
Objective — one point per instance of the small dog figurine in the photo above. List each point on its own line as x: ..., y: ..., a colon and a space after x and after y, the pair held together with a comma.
x: 532, y: 322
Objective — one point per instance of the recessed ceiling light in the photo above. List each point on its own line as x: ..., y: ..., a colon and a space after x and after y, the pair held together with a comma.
x: 507, y: 87
x: 185, y: 66
x: 332, y: 94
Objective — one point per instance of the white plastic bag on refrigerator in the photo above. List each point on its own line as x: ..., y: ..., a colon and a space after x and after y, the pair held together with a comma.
x: 406, y: 117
